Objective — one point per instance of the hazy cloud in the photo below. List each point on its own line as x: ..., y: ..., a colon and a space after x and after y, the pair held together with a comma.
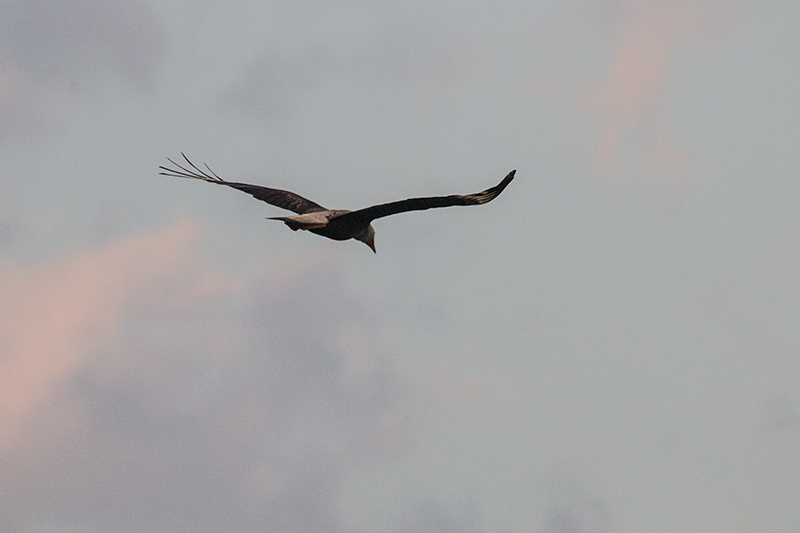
x: 648, y: 38
x: 49, y: 50
x: 573, y: 510
x: 276, y: 81
x: 782, y: 415
x: 139, y: 407
x: 5, y: 233
x: 53, y: 316
x: 407, y: 58
x: 432, y: 516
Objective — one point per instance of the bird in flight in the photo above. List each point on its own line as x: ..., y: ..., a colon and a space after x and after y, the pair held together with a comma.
x: 336, y: 224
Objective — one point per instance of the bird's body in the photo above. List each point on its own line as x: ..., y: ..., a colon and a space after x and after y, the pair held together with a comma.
x: 336, y: 224
x: 328, y: 223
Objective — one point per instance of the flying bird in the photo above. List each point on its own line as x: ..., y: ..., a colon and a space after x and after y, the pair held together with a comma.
x: 336, y: 224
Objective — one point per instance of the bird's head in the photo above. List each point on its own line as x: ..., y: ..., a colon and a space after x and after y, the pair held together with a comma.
x: 368, y: 237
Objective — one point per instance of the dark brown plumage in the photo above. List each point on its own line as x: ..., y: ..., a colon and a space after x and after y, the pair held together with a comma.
x: 337, y: 224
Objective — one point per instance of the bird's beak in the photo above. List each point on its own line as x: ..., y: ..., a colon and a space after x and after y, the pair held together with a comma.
x: 372, y: 245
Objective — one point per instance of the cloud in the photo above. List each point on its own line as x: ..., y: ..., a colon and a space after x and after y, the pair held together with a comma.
x: 5, y: 233
x: 152, y: 394
x: 49, y: 50
x: 416, y: 59
x: 431, y: 516
x: 782, y: 416
x: 274, y: 82
x: 572, y: 509
x: 53, y: 316
x: 648, y: 39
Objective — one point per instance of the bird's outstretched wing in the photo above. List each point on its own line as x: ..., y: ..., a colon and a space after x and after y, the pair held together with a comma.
x: 277, y: 197
x: 368, y: 214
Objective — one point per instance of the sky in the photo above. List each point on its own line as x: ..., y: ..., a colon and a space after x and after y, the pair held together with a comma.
x: 609, y: 346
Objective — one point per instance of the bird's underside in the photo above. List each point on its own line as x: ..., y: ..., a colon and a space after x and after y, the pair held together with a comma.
x: 336, y: 224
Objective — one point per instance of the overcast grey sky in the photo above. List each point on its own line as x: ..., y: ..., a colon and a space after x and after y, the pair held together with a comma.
x: 610, y: 346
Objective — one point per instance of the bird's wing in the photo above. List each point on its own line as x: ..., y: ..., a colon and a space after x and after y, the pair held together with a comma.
x: 277, y: 197
x: 368, y: 214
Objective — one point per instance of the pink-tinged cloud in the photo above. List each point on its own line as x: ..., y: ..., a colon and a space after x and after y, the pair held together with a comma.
x: 53, y: 316
x: 152, y: 395
x: 648, y: 38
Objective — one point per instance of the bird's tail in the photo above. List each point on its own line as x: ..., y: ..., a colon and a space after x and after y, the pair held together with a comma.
x: 293, y: 224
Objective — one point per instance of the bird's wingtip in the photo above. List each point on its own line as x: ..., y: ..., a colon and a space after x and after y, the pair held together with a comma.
x: 507, y: 180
